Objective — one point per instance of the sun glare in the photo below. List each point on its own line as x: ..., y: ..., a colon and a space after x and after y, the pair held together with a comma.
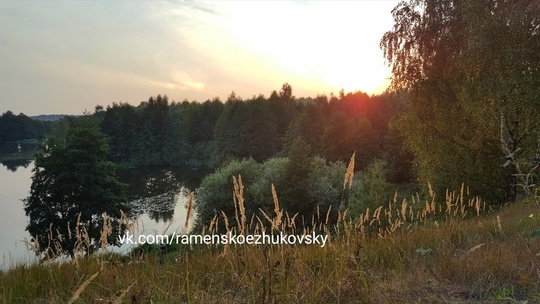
x: 353, y: 73
x: 323, y: 43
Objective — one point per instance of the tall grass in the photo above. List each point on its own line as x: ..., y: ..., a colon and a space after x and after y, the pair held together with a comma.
x: 414, y: 250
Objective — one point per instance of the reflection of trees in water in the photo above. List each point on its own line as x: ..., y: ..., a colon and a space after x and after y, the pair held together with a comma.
x: 13, y: 165
x: 165, y: 181
x: 154, y: 190
x: 149, y: 182
x: 162, y: 216
x: 12, y: 158
x: 159, y: 207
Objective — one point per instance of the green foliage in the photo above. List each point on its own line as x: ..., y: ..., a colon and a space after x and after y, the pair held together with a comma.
x: 121, y: 124
x: 73, y: 187
x: 399, y: 159
x: 246, y: 129
x: 294, y: 196
x: 159, y: 132
x: 260, y: 127
x: 324, y: 187
x: 325, y: 181
x: 345, y: 134
x: 370, y: 190
x: 470, y: 71
x: 302, y: 183
x: 272, y: 171
x: 216, y: 192
x: 19, y: 127
x: 310, y: 125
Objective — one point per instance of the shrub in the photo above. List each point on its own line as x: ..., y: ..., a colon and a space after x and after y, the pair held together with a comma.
x: 370, y: 190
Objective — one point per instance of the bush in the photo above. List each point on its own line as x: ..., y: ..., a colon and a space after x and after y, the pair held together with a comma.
x: 321, y: 187
x: 370, y: 190
x: 216, y: 191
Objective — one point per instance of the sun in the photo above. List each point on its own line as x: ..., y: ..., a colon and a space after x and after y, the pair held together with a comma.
x: 332, y: 46
x: 355, y: 72
x: 348, y: 80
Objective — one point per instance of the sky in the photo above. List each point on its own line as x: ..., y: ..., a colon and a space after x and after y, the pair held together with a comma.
x: 65, y: 57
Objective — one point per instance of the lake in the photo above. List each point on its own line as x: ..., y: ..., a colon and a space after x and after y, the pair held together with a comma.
x: 158, y: 195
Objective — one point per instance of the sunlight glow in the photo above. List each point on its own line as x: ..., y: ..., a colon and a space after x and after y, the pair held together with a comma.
x: 195, y: 50
x: 333, y: 43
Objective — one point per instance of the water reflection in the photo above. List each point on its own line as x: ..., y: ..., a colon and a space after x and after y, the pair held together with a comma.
x: 157, y: 194
x: 158, y: 198
x: 13, y: 220
x: 13, y: 165
x: 16, y: 155
x: 159, y: 208
x: 155, y: 191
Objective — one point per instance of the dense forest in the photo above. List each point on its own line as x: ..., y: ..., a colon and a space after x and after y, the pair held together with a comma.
x: 297, y: 145
x: 19, y: 127
x: 211, y: 133
x: 300, y: 145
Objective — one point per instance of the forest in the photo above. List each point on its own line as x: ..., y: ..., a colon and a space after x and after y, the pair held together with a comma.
x: 294, y: 139
x: 210, y: 133
x: 20, y: 127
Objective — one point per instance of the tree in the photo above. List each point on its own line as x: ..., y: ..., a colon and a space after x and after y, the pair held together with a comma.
x: 18, y: 127
x: 156, y: 131
x: 371, y: 190
x: 229, y: 134
x: 74, y: 193
x: 245, y: 129
x: 286, y: 96
x: 309, y: 125
x: 295, y: 196
x: 325, y: 189
x: 215, y: 195
x: 307, y: 188
x: 344, y: 135
x: 503, y: 76
x: 121, y: 124
x: 471, y: 73
x: 260, y: 129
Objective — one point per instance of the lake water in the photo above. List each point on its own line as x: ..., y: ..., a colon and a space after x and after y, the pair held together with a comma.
x: 15, y: 186
x: 158, y: 194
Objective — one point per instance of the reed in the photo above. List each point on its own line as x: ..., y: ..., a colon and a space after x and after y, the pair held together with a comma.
x: 81, y: 288
x: 189, y: 210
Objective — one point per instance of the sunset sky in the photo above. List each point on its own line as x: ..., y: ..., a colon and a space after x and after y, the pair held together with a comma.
x: 65, y: 57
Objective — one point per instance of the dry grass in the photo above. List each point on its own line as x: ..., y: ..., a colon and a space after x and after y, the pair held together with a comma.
x: 81, y: 288
x: 410, y: 251
x: 477, y: 260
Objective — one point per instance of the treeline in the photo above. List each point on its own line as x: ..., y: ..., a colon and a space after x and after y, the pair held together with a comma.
x: 19, y: 127
x: 159, y: 132
x: 298, y: 145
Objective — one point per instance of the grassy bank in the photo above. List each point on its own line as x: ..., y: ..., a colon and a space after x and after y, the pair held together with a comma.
x: 452, y: 259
